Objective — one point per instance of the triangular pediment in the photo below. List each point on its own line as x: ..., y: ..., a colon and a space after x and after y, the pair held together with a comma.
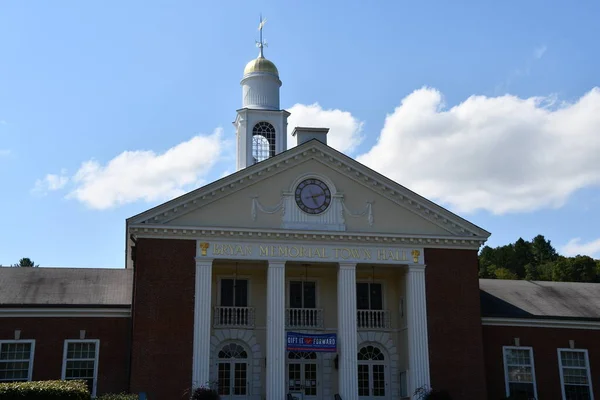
x: 254, y: 199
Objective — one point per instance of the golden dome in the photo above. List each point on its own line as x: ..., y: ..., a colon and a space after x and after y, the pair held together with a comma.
x: 261, y: 64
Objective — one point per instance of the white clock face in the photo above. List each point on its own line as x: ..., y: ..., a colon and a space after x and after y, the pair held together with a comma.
x: 312, y: 196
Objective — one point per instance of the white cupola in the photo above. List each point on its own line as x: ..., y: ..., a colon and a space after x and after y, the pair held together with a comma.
x: 261, y: 126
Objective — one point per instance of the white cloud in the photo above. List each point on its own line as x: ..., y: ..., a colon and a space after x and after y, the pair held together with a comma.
x: 145, y: 175
x: 575, y: 247
x: 501, y: 154
x: 539, y: 52
x: 51, y: 182
x: 345, y: 130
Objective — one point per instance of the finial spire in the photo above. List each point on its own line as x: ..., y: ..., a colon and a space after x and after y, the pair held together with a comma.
x: 261, y: 43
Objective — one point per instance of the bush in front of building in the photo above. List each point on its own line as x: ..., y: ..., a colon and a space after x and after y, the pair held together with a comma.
x: 203, y: 393
x: 45, y: 390
x: 118, y: 396
x: 427, y: 393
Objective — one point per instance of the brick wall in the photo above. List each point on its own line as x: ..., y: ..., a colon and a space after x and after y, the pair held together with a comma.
x: 454, y: 323
x: 163, y: 318
x: 50, y: 333
x: 544, y: 341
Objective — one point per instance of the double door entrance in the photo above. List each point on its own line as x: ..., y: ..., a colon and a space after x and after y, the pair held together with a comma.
x: 303, y: 375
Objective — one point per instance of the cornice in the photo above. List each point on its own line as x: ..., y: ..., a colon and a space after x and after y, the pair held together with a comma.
x: 193, y: 233
x: 542, y: 323
x: 64, y: 312
x: 295, y: 156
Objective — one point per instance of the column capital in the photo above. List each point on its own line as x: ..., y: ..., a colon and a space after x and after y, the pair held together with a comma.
x: 416, y: 268
x: 276, y: 264
x: 347, y: 265
x: 203, y: 261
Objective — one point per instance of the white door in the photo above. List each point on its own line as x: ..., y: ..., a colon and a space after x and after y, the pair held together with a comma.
x: 303, y: 375
x: 233, y: 374
x: 371, y: 373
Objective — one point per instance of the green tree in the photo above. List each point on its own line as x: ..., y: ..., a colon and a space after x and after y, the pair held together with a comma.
x: 532, y: 273
x: 505, y: 273
x: 523, y: 256
x: 542, y: 250
x: 26, y: 262
x: 583, y: 269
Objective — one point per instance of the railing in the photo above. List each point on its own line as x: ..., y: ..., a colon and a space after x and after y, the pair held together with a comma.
x: 304, y: 318
x: 373, y: 319
x: 233, y: 317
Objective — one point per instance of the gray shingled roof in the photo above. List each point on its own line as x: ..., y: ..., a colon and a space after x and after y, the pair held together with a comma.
x: 65, y: 286
x: 537, y: 299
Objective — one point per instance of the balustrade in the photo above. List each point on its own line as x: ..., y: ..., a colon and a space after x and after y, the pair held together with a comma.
x: 373, y: 319
x: 233, y: 317
x: 304, y: 318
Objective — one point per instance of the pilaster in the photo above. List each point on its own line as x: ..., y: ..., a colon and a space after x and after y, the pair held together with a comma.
x: 202, y: 322
x: 347, y: 336
x: 276, y: 388
x: 418, y: 344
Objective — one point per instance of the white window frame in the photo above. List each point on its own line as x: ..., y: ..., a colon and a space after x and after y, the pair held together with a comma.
x: 239, y: 278
x: 587, y: 365
x: 301, y: 279
x: 506, y: 382
x: 31, y: 354
x: 383, y: 292
x: 97, y: 356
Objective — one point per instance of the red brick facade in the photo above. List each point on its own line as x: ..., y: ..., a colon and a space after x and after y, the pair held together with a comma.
x: 163, y: 318
x: 545, y: 342
x: 50, y: 334
x: 454, y: 323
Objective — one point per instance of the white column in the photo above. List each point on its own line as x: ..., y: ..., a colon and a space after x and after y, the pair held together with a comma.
x: 202, y: 322
x: 276, y: 388
x: 347, y: 337
x: 418, y: 343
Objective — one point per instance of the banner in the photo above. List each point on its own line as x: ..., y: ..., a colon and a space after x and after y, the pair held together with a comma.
x: 311, y: 342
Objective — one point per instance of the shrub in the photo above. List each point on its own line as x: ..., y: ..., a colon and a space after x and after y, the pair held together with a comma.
x: 438, y: 395
x: 202, y: 393
x: 118, y: 396
x: 45, y: 390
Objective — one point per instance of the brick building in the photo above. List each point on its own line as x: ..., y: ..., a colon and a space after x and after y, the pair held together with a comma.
x: 306, y: 273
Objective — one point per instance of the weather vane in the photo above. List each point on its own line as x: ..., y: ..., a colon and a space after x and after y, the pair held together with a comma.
x: 261, y: 43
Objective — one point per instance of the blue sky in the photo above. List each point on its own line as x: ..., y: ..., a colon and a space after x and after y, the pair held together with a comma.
x: 489, y: 109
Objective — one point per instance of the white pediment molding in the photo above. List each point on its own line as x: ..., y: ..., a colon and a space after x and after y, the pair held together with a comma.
x: 453, y: 224
x: 185, y: 232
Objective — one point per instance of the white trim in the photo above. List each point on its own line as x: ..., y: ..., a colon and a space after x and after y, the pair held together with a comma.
x: 386, y: 343
x: 506, y: 382
x: 383, y: 284
x: 541, y: 323
x: 37, y: 312
x: 158, y: 231
x: 96, y: 357
x: 234, y: 277
x: 587, y: 365
x: 31, y: 354
x: 302, y: 279
x: 249, y: 361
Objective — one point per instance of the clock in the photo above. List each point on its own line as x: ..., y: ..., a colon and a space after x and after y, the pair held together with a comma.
x: 312, y: 196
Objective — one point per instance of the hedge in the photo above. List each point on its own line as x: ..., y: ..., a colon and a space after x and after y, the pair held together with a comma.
x: 120, y: 396
x: 45, y: 390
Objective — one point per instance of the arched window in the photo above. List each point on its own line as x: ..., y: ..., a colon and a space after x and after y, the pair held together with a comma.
x: 371, y: 372
x: 233, y: 370
x: 302, y: 372
x: 263, y: 141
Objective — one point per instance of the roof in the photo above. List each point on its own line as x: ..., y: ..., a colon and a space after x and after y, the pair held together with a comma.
x: 65, y: 287
x: 539, y: 299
